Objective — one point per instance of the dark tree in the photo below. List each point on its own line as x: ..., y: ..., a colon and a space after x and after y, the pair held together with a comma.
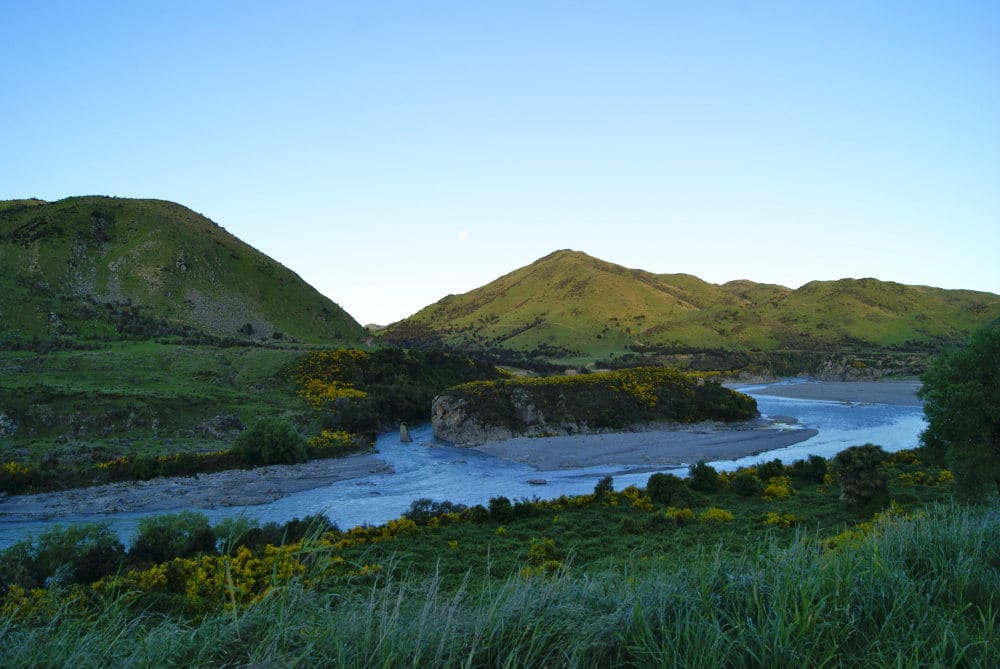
x: 270, y: 442
x: 662, y: 488
x: 861, y: 478
x: 961, y: 394
x: 704, y: 477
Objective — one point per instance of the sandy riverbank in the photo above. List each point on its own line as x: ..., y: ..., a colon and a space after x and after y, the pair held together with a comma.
x: 902, y: 393
x: 663, y: 446
x: 234, y: 487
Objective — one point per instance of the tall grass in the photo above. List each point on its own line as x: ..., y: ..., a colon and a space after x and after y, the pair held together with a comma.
x: 921, y: 591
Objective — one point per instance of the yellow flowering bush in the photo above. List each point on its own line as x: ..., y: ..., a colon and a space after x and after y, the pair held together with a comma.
x: 715, y: 515
x: 679, y: 516
x: 778, y: 487
x: 543, y: 558
x: 326, y: 376
x: 331, y: 441
x: 634, y: 496
x: 780, y: 519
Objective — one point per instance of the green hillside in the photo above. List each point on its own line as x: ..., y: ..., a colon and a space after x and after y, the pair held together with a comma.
x: 572, y: 308
x: 139, y: 329
x: 100, y: 268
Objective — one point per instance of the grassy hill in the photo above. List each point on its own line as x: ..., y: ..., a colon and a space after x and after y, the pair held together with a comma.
x: 572, y: 308
x: 141, y: 329
x: 98, y: 268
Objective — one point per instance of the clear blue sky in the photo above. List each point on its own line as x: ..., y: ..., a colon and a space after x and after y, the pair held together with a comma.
x: 394, y: 152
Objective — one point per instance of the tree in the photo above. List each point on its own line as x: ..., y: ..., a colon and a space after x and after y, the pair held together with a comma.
x: 961, y: 394
x: 270, y: 442
x: 163, y: 538
x: 860, y: 476
x: 662, y: 488
x: 704, y: 477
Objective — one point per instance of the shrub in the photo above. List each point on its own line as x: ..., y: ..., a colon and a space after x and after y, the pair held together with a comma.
x: 163, y: 538
x: 779, y: 487
x: 812, y: 470
x: 747, y: 484
x: 270, y: 442
x: 501, y: 509
x: 768, y: 470
x: 422, y: 510
x: 704, y: 477
x: 861, y: 479
x: 604, y: 487
x: 679, y: 516
x: 715, y: 515
x: 79, y: 553
x: 780, y: 519
x: 661, y: 487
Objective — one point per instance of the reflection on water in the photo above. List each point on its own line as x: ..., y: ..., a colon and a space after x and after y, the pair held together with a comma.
x: 426, y: 468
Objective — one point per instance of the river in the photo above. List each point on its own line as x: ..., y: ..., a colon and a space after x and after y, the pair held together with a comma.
x: 426, y: 468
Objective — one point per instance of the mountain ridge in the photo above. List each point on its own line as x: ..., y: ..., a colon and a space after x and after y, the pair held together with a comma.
x: 571, y: 307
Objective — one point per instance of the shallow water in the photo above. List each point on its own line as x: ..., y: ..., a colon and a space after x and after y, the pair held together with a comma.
x: 426, y: 468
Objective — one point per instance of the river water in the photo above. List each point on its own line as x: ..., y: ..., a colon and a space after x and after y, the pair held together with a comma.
x: 426, y: 468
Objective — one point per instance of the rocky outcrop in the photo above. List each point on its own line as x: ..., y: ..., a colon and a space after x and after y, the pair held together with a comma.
x: 452, y: 421
x: 488, y: 411
x: 847, y: 369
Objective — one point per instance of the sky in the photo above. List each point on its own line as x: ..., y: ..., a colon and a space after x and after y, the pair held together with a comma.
x: 392, y: 153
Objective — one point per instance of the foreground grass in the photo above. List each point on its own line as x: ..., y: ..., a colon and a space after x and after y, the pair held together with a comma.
x: 913, y: 591
x: 904, y: 590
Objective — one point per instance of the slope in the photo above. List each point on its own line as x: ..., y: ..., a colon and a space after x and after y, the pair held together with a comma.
x: 99, y: 268
x: 572, y: 308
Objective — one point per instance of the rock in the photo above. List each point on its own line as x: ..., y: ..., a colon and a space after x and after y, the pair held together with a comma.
x: 220, y: 427
x: 8, y: 426
x: 452, y: 422
x: 537, y: 481
x: 404, y: 434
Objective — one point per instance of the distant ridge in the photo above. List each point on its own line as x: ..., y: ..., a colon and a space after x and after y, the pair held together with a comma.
x: 99, y: 268
x: 571, y: 307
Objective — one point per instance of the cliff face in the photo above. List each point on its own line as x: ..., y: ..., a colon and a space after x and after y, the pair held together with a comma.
x: 454, y: 419
x: 483, y: 412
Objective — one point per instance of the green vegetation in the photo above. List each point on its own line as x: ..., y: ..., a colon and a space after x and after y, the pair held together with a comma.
x: 87, y: 270
x: 270, y: 442
x: 370, y: 391
x: 139, y: 410
x: 609, y: 579
x: 862, y: 482
x: 961, y: 394
x: 606, y: 400
x: 574, y: 310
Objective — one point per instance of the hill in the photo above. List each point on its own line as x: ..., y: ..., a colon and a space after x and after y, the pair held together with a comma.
x: 101, y: 268
x: 571, y: 308
x: 138, y: 331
